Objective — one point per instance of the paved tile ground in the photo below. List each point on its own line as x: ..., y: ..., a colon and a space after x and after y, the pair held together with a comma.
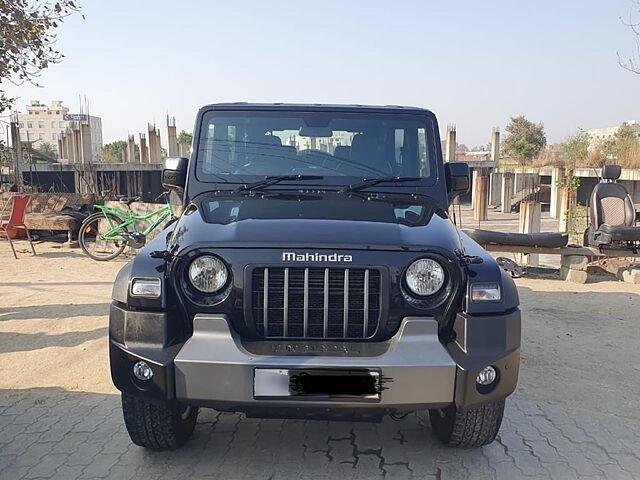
x: 51, y: 433
x: 574, y: 415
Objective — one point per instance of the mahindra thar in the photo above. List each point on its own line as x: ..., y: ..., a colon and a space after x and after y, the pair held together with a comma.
x: 314, y: 273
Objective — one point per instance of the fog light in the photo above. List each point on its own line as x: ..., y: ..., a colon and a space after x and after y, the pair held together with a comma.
x: 486, y: 376
x: 142, y: 371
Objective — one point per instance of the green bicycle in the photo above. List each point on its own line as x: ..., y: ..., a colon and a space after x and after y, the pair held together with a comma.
x: 104, y: 235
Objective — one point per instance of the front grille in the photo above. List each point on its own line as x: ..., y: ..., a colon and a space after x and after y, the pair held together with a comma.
x: 322, y: 303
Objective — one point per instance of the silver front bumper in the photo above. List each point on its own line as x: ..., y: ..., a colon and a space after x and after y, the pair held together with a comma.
x: 214, y: 368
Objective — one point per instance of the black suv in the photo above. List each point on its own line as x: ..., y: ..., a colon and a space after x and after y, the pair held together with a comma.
x: 314, y: 273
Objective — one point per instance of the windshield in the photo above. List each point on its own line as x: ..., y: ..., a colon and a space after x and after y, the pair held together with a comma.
x: 237, y: 147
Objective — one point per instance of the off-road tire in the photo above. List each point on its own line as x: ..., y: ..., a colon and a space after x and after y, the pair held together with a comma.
x: 473, y: 427
x: 88, y: 222
x: 155, y: 426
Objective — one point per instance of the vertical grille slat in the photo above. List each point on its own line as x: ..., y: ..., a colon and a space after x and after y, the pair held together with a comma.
x: 345, y: 303
x: 325, y: 312
x: 319, y: 303
x: 366, y: 303
x: 285, y: 306
x: 265, y: 303
x: 305, y: 313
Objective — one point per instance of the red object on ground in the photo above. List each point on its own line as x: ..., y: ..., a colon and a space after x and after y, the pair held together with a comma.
x: 15, y: 221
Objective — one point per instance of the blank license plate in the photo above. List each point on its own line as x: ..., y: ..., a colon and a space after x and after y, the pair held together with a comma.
x: 364, y: 384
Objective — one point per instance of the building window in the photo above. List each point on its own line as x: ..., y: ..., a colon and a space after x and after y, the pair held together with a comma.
x: 40, y: 124
x: 54, y: 137
x: 23, y: 137
x: 41, y: 136
x: 53, y: 124
x: 29, y: 124
x: 62, y: 125
x: 21, y: 124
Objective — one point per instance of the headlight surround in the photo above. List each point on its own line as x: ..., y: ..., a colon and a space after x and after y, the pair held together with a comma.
x: 208, y: 274
x: 425, y: 277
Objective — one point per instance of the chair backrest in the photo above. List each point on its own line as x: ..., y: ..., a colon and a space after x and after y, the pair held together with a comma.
x: 610, y: 202
x: 18, y: 208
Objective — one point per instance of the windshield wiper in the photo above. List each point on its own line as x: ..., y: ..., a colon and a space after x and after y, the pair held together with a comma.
x: 370, y: 182
x: 275, y: 179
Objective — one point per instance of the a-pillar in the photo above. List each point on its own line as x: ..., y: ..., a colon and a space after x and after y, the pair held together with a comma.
x: 172, y: 137
x: 450, y: 155
x: 530, y: 215
x: 557, y: 178
x: 495, y: 184
x: 507, y: 192
x: 481, y: 198
x: 495, y: 147
x: 144, y: 153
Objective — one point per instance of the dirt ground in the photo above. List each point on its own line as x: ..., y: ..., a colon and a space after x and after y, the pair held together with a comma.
x: 580, y: 342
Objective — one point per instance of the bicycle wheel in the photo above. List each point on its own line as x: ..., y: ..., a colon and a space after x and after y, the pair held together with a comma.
x: 90, y: 241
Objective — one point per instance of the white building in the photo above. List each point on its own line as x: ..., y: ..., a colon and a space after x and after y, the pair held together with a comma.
x: 44, y: 123
x: 600, y: 135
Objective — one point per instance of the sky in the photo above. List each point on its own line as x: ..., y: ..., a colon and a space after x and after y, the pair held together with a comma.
x: 474, y: 64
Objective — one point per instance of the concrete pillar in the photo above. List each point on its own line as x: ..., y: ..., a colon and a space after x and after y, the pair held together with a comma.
x: 474, y: 178
x: 158, y: 147
x: 557, y: 176
x: 568, y: 201
x: 530, y: 215
x: 154, y: 144
x: 495, y: 184
x: 495, y: 147
x: 507, y: 192
x: 77, y: 156
x: 144, y: 152
x: 17, y: 147
x: 131, y: 149
x: 85, y: 142
x: 60, y: 149
x: 172, y: 137
x: 481, y: 199
x: 183, y: 149
x: 450, y: 154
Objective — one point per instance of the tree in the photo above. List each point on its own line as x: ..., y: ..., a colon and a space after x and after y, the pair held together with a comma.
x: 632, y: 62
x: 185, y: 138
x: 576, y: 148
x: 625, y: 143
x: 47, y: 149
x: 114, y: 152
x: 525, y: 140
x: 27, y: 40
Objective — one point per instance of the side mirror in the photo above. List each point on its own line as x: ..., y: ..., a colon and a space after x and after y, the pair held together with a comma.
x: 457, y: 175
x: 174, y: 174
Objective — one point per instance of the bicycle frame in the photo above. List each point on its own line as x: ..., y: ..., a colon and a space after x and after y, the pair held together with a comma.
x: 164, y: 213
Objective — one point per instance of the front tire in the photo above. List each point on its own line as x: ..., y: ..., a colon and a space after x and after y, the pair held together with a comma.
x: 157, y: 426
x: 472, y: 427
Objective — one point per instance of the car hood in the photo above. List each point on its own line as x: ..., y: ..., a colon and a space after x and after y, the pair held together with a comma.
x: 192, y: 231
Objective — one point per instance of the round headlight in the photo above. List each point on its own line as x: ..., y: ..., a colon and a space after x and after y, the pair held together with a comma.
x: 208, y: 274
x: 425, y: 277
